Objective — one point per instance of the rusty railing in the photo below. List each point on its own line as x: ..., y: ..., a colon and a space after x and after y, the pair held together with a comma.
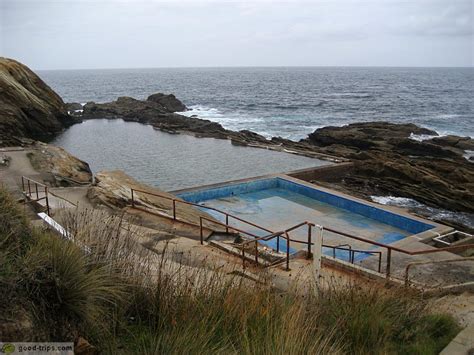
x: 389, y: 249
x: 32, y: 188
x: 176, y: 201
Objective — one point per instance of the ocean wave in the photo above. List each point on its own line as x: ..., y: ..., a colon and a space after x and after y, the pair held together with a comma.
x: 422, y: 137
x: 202, y: 111
x: 350, y: 95
x: 448, y: 115
x: 468, y: 155
x: 396, y: 201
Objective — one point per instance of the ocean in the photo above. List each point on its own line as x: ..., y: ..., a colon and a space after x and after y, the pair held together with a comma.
x: 291, y: 102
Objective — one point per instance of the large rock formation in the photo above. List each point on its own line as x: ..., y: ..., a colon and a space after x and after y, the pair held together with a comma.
x: 113, y: 189
x: 64, y: 168
x: 158, y: 110
x: 387, y: 161
x: 28, y: 107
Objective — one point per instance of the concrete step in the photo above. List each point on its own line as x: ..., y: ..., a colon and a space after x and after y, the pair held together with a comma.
x: 225, y: 237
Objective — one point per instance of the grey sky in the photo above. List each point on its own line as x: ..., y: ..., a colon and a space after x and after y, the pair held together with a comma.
x: 127, y: 34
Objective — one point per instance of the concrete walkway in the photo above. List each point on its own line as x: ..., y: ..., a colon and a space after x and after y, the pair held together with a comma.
x: 463, y: 344
x: 20, y: 165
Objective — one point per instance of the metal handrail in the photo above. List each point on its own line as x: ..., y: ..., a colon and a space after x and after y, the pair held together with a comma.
x: 29, y: 193
x: 408, y: 267
x: 174, y: 200
x: 353, y: 251
x: 389, y: 248
x: 288, y: 240
x: 392, y: 248
x: 201, y: 218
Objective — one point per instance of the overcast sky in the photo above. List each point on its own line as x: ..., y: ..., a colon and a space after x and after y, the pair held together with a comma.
x: 133, y: 34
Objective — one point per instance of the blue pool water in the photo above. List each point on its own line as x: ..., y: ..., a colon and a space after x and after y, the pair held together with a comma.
x: 278, y: 203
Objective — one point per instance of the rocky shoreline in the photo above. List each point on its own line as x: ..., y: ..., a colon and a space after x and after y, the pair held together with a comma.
x: 387, y: 160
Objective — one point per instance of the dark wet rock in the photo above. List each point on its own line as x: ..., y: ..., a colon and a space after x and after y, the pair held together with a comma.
x: 388, y: 162
x: 169, y: 102
x: 365, y: 135
x: 28, y: 107
x: 415, y: 148
x: 462, y: 143
x: 154, y: 112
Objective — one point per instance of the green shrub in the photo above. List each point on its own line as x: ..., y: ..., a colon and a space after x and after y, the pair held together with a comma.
x: 65, y: 288
x: 14, y: 230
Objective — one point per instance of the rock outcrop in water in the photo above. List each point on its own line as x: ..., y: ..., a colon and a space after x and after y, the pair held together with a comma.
x: 28, y: 107
x: 158, y: 110
x: 388, y: 162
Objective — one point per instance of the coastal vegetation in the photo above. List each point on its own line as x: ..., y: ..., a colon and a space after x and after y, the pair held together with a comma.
x: 122, y: 298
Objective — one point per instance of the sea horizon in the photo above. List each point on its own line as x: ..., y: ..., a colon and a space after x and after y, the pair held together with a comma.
x: 290, y: 102
x: 259, y: 67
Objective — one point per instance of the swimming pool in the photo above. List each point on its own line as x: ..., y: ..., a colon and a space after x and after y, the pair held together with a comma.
x: 279, y: 202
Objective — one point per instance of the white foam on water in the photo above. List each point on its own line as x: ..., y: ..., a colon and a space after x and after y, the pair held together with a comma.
x: 202, y: 112
x: 234, y: 121
x: 468, y: 154
x: 422, y: 137
x: 448, y: 115
x: 396, y: 201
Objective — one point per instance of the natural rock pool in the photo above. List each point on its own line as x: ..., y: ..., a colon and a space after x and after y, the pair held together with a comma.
x: 169, y: 161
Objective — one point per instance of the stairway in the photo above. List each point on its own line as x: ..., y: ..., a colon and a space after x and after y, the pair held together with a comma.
x: 232, y: 244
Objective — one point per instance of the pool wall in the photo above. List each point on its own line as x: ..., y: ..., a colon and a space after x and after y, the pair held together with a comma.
x: 405, y: 222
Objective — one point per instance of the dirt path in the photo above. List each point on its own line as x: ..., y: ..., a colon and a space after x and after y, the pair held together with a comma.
x: 19, y: 165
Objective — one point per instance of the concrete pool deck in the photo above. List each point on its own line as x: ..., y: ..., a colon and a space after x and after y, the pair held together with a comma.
x: 277, y: 212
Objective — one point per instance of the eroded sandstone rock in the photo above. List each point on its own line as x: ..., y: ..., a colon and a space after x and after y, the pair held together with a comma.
x: 113, y: 189
x: 65, y: 168
x: 28, y: 107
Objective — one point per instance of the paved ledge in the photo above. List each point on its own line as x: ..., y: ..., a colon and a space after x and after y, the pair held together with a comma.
x: 462, y: 344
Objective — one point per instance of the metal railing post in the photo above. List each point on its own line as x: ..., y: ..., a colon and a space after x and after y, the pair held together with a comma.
x: 133, y: 200
x: 389, y: 261
x: 309, y: 240
x: 174, y: 210
x: 227, y: 223
x: 278, y: 244
x: 256, y: 252
x: 287, y: 252
x: 36, y: 187
x: 23, y: 184
x: 201, y: 233
x: 29, y: 189
x: 47, y: 201
x: 243, y: 256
